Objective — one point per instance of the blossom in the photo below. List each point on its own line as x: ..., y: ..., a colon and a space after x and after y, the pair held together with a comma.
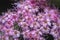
x: 30, y: 22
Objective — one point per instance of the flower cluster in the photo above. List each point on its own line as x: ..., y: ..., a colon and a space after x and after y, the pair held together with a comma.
x: 32, y: 19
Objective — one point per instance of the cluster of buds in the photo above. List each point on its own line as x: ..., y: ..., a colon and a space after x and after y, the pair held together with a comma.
x: 32, y: 19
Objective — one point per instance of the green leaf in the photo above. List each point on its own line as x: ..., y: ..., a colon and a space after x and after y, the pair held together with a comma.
x: 17, y: 27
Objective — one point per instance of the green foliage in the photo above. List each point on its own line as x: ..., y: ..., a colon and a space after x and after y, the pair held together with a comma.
x: 17, y: 27
x: 1, y: 33
x: 54, y: 2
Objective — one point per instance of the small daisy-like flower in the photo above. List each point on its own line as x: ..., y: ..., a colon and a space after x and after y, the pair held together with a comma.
x: 35, y: 25
x: 9, y: 24
x: 45, y: 29
x: 54, y: 32
x: 7, y: 38
x: 16, y: 34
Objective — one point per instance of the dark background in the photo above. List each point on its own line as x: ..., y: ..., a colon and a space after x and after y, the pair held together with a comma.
x: 6, y: 4
x: 55, y: 3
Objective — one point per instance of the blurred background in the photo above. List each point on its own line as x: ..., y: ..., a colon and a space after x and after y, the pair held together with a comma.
x: 6, y: 4
x: 55, y: 3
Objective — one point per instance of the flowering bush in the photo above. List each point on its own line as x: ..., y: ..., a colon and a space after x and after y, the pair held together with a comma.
x: 32, y: 20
